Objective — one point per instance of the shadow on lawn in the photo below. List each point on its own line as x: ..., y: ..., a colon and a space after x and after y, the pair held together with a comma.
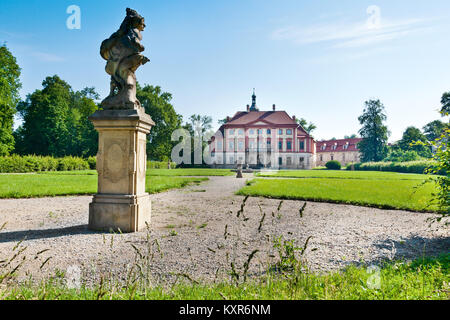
x: 14, y: 236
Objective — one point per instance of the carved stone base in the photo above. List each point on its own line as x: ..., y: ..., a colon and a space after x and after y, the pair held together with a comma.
x: 121, y: 201
x: 119, y: 212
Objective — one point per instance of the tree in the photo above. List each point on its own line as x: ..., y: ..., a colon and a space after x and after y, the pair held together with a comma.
x: 83, y: 136
x: 434, y: 129
x: 409, y: 139
x: 199, y: 128
x: 157, y: 105
x: 45, y: 129
x: 9, y: 96
x: 397, y: 155
x: 222, y: 121
x: 373, y: 131
x: 445, y: 101
x: 352, y: 136
x: 309, y: 127
x: 55, y: 121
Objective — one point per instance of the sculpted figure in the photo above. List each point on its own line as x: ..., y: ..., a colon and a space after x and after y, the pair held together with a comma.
x: 123, y: 54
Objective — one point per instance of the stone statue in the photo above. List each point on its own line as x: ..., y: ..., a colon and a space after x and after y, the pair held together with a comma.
x: 123, y: 54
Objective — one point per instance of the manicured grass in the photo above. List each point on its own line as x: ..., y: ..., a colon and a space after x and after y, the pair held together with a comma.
x: 343, y: 174
x: 157, y: 172
x: 388, y: 193
x: 189, y: 172
x: 423, y: 279
x: 42, y: 185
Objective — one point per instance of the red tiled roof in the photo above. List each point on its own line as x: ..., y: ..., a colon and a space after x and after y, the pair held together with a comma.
x: 352, y: 145
x: 273, y: 117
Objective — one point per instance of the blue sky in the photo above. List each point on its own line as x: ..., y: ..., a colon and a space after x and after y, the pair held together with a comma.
x: 315, y: 59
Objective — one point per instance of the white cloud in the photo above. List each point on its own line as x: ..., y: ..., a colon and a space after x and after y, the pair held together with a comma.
x: 345, y: 35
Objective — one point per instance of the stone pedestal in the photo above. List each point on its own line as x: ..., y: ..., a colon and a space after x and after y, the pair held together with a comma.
x: 121, y: 202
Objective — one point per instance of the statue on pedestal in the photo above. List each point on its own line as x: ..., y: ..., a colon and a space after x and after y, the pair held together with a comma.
x: 122, y: 50
x: 122, y: 203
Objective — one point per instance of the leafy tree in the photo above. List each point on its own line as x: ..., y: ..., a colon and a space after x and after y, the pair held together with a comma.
x: 55, y: 121
x: 200, y: 124
x: 222, y: 121
x: 157, y: 105
x: 9, y: 96
x: 309, y: 127
x: 199, y: 128
x: 373, y: 131
x: 45, y: 112
x: 434, y: 129
x: 83, y: 136
x: 445, y: 101
x: 352, y: 136
x: 409, y: 139
x: 398, y: 155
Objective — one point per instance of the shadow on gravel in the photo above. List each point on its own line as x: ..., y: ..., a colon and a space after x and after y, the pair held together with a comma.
x: 13, y: 236
x: 406, y: 249
x: 413, y: 247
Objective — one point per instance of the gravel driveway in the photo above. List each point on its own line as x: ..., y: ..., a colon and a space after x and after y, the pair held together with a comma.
x: 198, y: 233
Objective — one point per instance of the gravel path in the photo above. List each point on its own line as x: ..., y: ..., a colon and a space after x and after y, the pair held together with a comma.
x: 189, y: 227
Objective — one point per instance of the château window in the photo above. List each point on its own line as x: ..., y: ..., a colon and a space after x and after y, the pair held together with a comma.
x: 231, y: 131
x: 289, y: 145
x: 288, y: 131
x: 268, y: 131
x: 240, y: 132
x: 260, y: 131
x: 280, y: 131
x: 252, y: 131
x: 280, y: 145
x: 302, y: 145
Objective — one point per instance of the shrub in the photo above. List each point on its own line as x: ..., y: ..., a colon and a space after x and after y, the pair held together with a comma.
x: 160, y: 165
x: 32, y: 163
x: 402, y: 167
x: 333, y: 165
x: 402, y: 156
x: 72, y: 163
x: 92, y: 161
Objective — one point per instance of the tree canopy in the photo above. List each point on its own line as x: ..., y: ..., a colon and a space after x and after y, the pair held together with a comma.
x: 157, y: 105
x: 55, y: 121
x: 373, y: 131
x: 445, y: 102
x: 434, y: 129
x: 309, y: 127
x: 9, y: 96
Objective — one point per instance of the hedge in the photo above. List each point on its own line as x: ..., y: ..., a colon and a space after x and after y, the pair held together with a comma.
x: 333, y: 165
x: 403, y: 167
x: 18, y: 164
x: 32, y: 163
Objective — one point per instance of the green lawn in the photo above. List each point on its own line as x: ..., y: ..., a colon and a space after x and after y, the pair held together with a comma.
x: 343, y: 174
x: 41, y: 185
x: 189, y: 172
x: 380, y: 193
x: 424, y: 279
x: 157, y: 172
